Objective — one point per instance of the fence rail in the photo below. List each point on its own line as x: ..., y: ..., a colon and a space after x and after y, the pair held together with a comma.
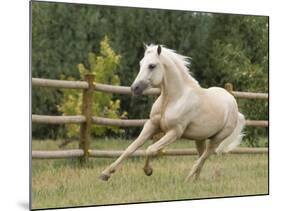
x: 75, y: 153
x: 250, y: 95
x: 257, y: 123
x: 41, y: 82
x: 84, y: 85
x: 78, y: 119
x: 86, y: 119
x: 123, y: 89
x: 58, y: 119
x: 72, y: 153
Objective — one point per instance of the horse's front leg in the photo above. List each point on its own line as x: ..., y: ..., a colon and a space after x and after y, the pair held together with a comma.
x: 148, y: 130
x: 153, y: 149
x: 147, y: 169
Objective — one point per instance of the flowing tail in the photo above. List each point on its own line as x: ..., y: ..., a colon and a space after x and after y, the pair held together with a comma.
x: 235, y: 137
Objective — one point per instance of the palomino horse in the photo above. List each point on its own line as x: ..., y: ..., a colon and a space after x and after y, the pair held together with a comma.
x: 183, y: 109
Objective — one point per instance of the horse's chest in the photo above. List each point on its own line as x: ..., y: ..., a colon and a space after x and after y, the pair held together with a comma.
x: 167, y: 121
x: 170, y: 114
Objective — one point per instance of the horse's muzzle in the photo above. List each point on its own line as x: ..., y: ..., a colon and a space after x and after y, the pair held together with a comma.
x: 139, y: 87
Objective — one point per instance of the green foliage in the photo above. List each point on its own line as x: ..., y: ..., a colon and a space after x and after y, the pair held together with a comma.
x: 224, y: 48
x: 104, y: 67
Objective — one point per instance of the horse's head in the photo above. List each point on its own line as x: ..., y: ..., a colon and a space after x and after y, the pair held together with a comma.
x: 151, y: 71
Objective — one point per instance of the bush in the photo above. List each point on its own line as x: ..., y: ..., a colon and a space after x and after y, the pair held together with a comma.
x: 104, y: 66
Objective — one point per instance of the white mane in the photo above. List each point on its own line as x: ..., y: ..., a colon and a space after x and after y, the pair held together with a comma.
x: 179, y: 59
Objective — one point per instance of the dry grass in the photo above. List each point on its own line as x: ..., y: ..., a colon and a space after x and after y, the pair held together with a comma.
x: 59, y: 183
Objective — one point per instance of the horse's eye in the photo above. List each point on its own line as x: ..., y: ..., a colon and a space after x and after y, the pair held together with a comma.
x: 151, y: 66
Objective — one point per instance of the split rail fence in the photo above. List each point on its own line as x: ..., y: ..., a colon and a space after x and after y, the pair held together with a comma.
x: 86, y: 119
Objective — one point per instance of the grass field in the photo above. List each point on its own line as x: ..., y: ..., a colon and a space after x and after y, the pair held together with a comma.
x: 64, y: 182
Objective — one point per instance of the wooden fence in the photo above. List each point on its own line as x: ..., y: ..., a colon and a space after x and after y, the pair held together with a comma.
x: 86, y: 119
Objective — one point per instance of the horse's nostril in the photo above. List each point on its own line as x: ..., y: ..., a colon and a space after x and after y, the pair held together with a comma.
x: 134, y: 88
x: 137, y: 88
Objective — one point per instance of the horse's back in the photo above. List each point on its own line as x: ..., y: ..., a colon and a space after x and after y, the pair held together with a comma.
x: 219, y: 94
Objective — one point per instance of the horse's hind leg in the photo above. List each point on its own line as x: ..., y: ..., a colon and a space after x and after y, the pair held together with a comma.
x: 200, y: 146
x: 196, y: 168
x: 211, y: 146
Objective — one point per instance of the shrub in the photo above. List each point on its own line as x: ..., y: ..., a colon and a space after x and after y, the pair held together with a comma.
x: 104, y: 66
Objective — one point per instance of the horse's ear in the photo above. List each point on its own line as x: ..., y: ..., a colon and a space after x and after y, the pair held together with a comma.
x: 159, y: 49
x: 145, y: 46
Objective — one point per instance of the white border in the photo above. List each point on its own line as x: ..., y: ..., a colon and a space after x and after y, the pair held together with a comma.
x: 15, y: 103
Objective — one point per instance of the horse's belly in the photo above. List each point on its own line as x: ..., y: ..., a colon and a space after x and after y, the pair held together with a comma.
x: 195, y: 135
x: 202, y: 131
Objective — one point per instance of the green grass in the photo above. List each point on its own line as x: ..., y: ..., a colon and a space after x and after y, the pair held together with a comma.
x: 64, y: 182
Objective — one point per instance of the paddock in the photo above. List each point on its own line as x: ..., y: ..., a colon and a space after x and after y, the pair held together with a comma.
x: 69, y: 177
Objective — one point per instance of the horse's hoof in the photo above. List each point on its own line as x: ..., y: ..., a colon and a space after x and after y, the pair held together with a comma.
x: 148, y: 171
x: 104, y: 177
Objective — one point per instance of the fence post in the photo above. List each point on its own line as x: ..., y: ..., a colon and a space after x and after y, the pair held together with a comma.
x: 85, y: 127
x: 229, y: 87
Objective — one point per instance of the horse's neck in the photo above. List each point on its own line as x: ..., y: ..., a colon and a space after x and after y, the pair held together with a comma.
x: 176, y: 82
